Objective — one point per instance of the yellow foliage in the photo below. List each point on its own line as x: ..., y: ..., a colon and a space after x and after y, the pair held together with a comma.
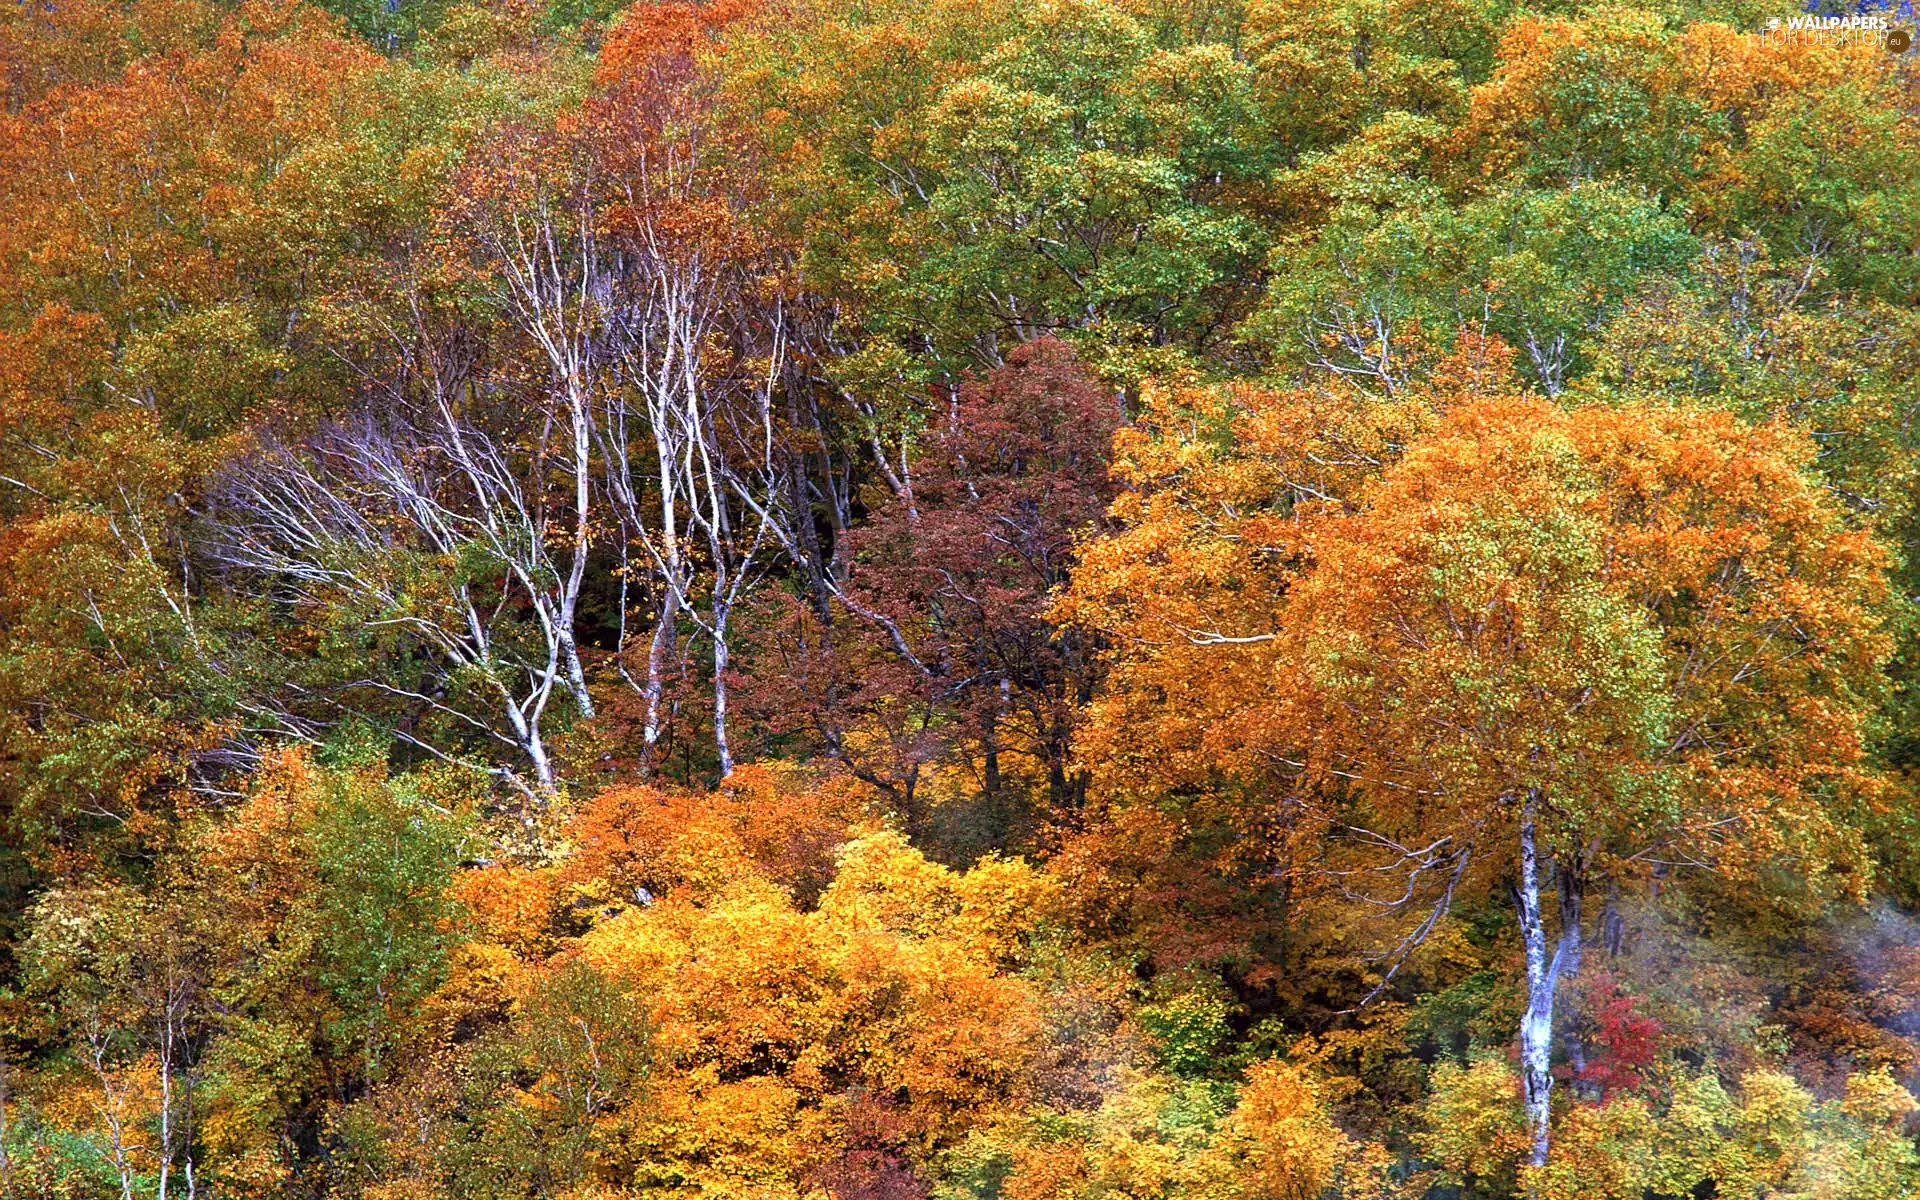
x: 1774, y: 1140
x: 775, y: 1029
x: 1157, y: 1138
x: 1280, y: 1144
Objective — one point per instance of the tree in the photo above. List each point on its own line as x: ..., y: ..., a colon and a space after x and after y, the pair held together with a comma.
x: 1545, y: 648
x: 433, y: 536
x: 962, y: 178
x: 945, y: 638
x: 124, y: 981
x: 159, y: 158
x: 325, y: 909
x: 1376, y: 296
x: 763, y: 987
x: 523, y: 208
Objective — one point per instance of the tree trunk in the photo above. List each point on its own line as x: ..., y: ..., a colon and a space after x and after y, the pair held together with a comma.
x: 576, y: 674
x: 1536, y: 1025
x: 582, y: 423
x: 990, y: 753
x: 166, y: 1097
x: 720, y: 655
x: 805, y: 535
x: 1543, y: 973
x: 1613, y: 926
x: 6, y: 1161
x: 527, y: 733
x: 665, y: 636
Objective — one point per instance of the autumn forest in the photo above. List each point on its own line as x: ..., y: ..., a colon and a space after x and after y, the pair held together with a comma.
x: 959, y: 600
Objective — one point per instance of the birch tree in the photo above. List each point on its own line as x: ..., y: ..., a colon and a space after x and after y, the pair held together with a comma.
x: 1562, y: 648
x: 425, y: 533
x: 1536, y: 652
x: 694, y: 466
x: 527, y: 212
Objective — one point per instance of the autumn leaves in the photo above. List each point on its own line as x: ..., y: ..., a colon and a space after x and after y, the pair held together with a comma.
x: 1540, y: 648
x: 925, y: 598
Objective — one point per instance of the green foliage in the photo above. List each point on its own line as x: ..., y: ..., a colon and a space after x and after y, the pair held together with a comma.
x: 1371, y: 294
x: 1472, y: 1126
x: 540, y: 1090
x: 1069, y: 173
x: 1768, y: 1138
x: 1187, y: 1028
x: 378, y: 916
x: 391, y: 26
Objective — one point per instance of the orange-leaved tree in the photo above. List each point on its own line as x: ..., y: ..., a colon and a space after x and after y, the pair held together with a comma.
x: 1538, y: 649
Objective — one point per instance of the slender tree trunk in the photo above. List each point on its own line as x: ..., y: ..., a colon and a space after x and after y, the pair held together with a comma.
x: 582, y: 428
x: 805, y: 535
x: 666, y: 634
x: 189, y: 1121
x: 1613, y: 926
x: 527, y: 733
x: 1536, y: 1024
x: 111, y: 1109
x: 1059, y: 743
x: 1544, y: 972
x: 664, y: 638
x: 721, y: 611
x: 166, y: 1097
x: 6, y: 1160
x: 536, y: 749
x: 990, y: 750
x: 524, y: 723
x: 576, y: 674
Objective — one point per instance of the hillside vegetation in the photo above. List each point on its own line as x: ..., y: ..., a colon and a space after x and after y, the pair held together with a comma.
x: 958, y: 600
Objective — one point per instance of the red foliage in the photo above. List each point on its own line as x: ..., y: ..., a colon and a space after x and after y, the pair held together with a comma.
x: 961, y: 560
x: 1623, y: 1042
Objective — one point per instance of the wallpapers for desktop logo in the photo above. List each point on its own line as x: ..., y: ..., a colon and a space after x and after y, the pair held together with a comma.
x: 1867, y: 22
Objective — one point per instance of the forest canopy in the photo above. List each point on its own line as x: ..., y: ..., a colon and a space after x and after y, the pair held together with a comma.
x: 959, y: 600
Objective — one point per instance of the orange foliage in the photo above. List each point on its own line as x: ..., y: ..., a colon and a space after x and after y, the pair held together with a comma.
x: 132, y: 192
x: 512, y: 906
x: 1245, y: 618
x: 650, y: 37
x: 786, y: 824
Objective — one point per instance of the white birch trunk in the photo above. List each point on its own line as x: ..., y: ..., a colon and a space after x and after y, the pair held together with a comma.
x: 1536, y: 1024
